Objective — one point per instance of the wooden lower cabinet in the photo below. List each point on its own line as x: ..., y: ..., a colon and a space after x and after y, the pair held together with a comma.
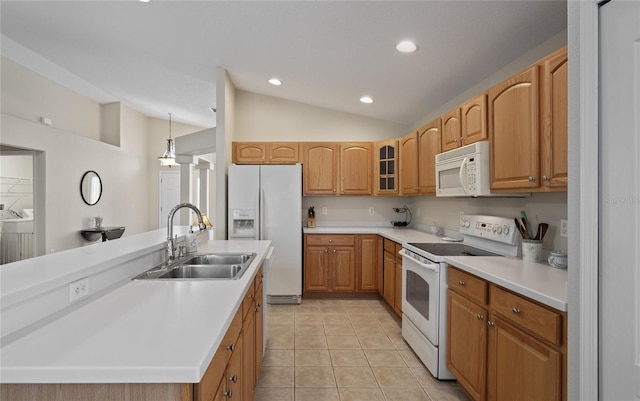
x: 389, y: 292
x: 504, y: 346
x: 392, y: 275
x: 466, y: 345
x: 367, y: 263
x: 343, y: 263
x: 397, y: 302
x: 521, y: 367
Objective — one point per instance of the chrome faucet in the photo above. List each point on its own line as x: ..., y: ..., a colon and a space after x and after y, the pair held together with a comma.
x: 171, y: 246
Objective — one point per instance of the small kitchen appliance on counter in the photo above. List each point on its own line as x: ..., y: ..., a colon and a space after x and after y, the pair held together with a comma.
x: 424, y: 283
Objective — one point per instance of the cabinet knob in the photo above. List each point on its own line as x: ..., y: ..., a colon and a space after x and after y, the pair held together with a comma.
x: 545, y: 178
x: 532, y: 179
x: 326, y: 250
x: 330, y: 241
x: 228, y: 394
x: 515, y: 310
x: 479, y: 316
x: 334, y: 250
x: 490, y: 323
x: 234, y: 378
x: 335, y: 190
x: 461, y: 282
x: 231, y: 347
x: 252, y: 296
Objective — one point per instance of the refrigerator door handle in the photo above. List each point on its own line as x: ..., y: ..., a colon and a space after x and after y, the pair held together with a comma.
x: 261, y: 213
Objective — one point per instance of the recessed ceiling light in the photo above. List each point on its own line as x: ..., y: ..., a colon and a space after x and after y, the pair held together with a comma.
x: 406, y: 46
x: 275, y: 81
x: 366, y: 99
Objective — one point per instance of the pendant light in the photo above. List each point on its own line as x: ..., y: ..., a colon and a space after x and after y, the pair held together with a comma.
x: 169, y: 156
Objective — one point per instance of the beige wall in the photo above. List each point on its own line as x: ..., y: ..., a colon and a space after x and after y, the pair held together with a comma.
x: 82, y: 137
x: 29, y: 96
x: 266, y: 118
x: 510, y: 69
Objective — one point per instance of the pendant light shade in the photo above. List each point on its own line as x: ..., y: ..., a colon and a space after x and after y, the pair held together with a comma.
x: 168, y: 158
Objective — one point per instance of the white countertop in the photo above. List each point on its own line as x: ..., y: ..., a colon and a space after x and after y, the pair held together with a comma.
x: 147, y: 331
x: 537, y: 281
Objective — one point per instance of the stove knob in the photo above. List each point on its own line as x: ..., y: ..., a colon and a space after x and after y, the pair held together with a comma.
x: 499, y: 230
x: 506, y: 230
x: 466, y: 224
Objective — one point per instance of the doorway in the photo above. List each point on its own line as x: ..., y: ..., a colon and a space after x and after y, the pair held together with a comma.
x: 17, y: 230
x: 169, y: 195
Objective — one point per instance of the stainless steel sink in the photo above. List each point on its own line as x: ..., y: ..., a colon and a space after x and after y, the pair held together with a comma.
x: 219, y: 259
x: 209, y: 266
x: 203, y: 272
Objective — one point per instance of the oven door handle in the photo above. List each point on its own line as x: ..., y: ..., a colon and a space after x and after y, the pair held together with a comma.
x: 431, y: 266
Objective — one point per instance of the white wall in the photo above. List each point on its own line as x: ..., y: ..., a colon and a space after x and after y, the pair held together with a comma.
x: 74, y: 144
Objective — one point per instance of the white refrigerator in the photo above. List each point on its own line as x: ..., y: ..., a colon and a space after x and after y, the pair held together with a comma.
x: 265, y: 202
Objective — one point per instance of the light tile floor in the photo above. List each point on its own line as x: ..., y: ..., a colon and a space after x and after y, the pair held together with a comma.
x: 343, y: 350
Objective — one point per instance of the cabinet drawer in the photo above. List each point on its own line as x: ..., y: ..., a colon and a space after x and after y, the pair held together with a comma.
x: 316, y: 239
x: 468, y: 285
x: 390, y: 246
x: 538, y: 319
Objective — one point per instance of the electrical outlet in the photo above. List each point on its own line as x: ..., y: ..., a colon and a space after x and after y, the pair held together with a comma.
x: 564, y: 228
x: 78, y: 289
x: 371, y: 210
x: 324, y: 210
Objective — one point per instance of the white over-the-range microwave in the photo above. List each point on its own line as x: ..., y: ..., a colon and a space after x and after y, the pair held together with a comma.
x: 464, y: 172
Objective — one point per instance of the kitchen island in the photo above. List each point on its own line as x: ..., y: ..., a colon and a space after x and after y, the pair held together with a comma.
x: 147, y: 331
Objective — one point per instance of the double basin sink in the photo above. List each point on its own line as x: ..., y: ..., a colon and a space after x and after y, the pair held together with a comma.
x: 203, y: 266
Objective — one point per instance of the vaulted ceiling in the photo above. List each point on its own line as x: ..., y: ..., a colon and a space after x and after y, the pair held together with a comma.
x: 162, y: 56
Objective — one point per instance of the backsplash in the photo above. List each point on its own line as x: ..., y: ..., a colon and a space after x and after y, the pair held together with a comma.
x: 445, y: 212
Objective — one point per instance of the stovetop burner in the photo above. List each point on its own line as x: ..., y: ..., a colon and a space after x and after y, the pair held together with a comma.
x: 452, y: 250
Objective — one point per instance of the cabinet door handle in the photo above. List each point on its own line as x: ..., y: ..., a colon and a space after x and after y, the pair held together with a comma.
x: 335, y: 190
x: 545, y: 178
x: 326, y: 250
x: 330, y: 241
x: 479, y: 316
x: 334, y: 250
x: 228, y: 394
x: 461, y: 282
x: 231, y: 347
x: 532, y: 179
x: 515, y: 310
x: 234, y: 378
x: 490, y: 323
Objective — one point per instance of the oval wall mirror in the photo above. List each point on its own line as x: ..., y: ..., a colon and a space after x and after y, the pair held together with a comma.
x: 91, y: 188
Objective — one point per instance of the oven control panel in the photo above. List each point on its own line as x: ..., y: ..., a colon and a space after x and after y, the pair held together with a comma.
x: 500, y: 229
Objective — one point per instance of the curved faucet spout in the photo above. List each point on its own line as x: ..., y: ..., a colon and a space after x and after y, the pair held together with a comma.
x: 170, y: 241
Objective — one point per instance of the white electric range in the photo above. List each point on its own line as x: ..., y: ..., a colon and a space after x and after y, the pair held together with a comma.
x: 424, y: 283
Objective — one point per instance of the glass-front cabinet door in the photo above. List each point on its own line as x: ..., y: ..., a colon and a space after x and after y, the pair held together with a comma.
x: 386, y: 167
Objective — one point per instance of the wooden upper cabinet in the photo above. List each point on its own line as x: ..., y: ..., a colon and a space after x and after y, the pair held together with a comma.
x: 283, y: 152
x: 474, y: 120
x: 266, y: 152
x: 385, y: 167
x: 320, y: 169
x: 513, y: 128
x: 409, y: 164
x: 554, y: 146
x: 451, y: 130
x: 355, y: 168
x: 429, y: 137
x: 249, y: 152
